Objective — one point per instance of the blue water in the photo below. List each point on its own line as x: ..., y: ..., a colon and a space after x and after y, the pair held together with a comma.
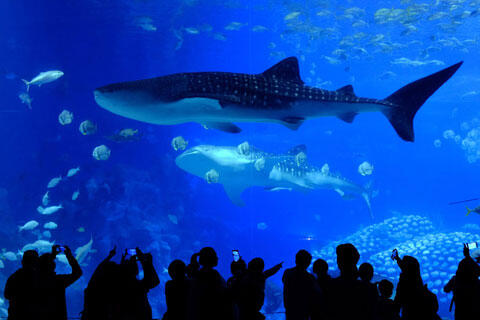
x: 126, y: 200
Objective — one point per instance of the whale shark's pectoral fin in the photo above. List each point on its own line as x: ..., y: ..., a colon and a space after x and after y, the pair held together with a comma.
x: 234, y: 192
x: 292, y: 123
x: 347, y: 117
x: 222, y: 126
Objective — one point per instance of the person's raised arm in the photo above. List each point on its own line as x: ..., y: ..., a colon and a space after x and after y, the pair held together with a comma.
x: 150, y: 276
x: 270, y: 272
x: 76, y: 270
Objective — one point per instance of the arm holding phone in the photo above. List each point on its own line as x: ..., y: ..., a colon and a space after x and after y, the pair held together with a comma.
x: 150, y: 277
x: 76, y: 273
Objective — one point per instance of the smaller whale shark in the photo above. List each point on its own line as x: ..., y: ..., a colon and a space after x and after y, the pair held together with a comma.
x: 239, y: 168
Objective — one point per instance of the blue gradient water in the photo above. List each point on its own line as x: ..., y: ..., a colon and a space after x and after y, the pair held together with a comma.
x: 126, y: 200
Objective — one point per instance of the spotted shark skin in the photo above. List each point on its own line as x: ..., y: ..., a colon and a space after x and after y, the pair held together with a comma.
x: 278, y: 95
x: 238, y: 171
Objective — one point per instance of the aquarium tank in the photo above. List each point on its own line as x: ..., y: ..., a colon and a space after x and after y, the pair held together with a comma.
x: 259, y: 126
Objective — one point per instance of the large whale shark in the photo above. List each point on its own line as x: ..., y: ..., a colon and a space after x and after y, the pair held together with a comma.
x: 240, y: 168
x: 217, y: 99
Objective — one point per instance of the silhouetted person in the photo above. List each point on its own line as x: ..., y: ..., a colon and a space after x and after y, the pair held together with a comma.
x: 176, y: 291
x: 134, y: 299
x: 365, y: 273
x: 466, y: 288
x: 413, y: 297
x: 351, y: 297
x: 53, y: 305
x: 208, y: 299
x: 252, y: 289
x: 21, y: 289
x: 238, y: 270
x: 321, y: 303
x: 101, y: 297
x: 386, y: 308
x: 298, y: 288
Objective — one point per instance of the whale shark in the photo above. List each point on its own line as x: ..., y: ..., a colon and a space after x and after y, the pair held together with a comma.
x: 277, y: 95
x: 239, y: 169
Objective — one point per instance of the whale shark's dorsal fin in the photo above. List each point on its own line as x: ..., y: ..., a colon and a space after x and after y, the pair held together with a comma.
x: 348, y: 89
x: 287, y: 69
x: 297, y: 149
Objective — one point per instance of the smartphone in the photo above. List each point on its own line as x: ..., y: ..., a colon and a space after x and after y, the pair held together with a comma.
x: 472, y: 245
x: 132, y: 252
x: 394, y: 254
x: 61, y: 249
x: 236, y: 255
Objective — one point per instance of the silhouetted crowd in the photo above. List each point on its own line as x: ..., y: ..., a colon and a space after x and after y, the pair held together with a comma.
x: 197, y: 291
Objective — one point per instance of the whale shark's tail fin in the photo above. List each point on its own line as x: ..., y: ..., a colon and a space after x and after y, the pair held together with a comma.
x: 411, y: 97
x: 27, y: 83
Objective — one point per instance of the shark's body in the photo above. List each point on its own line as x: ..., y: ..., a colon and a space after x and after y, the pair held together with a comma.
x: 239, y: 170
x: 217, y: 99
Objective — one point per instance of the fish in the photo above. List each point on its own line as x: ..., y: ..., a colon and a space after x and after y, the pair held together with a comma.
x: 82, y: 252
x: 75, y: 195
x: 26, y: 99
x: 53, y: 182
x: 49, y: 210
x: 72, y: 172
x: 30, y: 225
x: 42, y: 246
x: 10, y: 256
x: 475, y: 210
x: 278, y: 95
x: 45, y: 199
x: 43, y: 77
x: 238, y: 171
x: 50, y: 225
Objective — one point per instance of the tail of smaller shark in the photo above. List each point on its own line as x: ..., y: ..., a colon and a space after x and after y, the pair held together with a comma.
x: 468, y: 211
x: 411, y: 97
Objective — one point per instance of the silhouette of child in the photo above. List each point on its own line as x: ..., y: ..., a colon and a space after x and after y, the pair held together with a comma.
x: 386, y: 308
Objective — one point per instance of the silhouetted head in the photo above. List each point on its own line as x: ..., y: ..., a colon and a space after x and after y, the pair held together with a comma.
x: 386, y: 288
x: 366, y: 272
x: 208, y: 257
x: 320, y: 268
x: 303, y: 258
x: 347, y: 258
x: 238, y: 267
x: 177, y: 270
x: 46, y: 263
x: 411, y: 271
x: 256, y: 265
x: 467, y: 270
x: 30, y: 259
